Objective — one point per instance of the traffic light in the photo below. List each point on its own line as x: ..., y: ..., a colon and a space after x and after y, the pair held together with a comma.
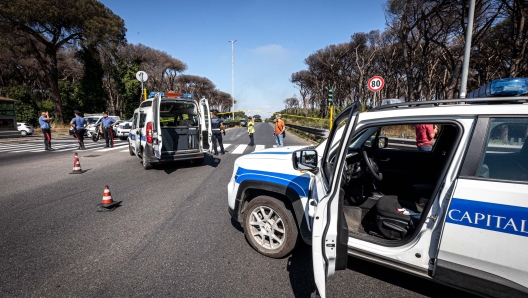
x: 331, y: 96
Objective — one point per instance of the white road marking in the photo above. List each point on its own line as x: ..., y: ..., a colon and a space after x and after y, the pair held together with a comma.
x: 108, y: 149
x: 259, y: 147
x: 240, y: 149
x: 124, y: 150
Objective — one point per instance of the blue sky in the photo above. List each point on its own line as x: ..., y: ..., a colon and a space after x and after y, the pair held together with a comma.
x: 273, y: 39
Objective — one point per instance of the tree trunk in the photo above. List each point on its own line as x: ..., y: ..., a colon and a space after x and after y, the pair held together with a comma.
x: 53, y: 78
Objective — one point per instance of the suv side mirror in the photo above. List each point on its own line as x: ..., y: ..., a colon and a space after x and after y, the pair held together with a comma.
x: 305, y: 160
x: 383, y: 142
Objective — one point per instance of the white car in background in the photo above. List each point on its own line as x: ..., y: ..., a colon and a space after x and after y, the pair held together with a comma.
x: 123, y: 129
x: 90, y: 129
x: 24, y: 128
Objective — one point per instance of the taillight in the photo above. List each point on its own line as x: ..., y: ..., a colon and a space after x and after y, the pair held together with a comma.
x: 149, y: 132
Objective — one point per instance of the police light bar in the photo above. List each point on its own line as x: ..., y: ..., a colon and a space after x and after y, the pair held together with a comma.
x: 171, y: 94
x: 153, y: 93
x: 508, y: 87
x: 389, y: 101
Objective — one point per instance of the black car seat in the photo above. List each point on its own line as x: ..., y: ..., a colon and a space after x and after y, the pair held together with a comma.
x: 392, y: 223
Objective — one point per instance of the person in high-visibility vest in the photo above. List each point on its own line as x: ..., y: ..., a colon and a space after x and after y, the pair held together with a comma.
x: 251, y: 130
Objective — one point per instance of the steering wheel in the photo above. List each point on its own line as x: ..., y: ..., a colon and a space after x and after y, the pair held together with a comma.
x: 372, y: 165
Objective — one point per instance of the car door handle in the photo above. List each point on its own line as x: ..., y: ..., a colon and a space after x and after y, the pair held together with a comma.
x: 387, y: 159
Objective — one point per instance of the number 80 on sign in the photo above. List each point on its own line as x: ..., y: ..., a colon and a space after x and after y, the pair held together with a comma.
x: 376, y: 83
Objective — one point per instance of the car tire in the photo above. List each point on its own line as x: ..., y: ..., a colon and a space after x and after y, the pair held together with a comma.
x: 281, y: 225
x: 130, y: 150
x: 146, y: 164
x: 23, y: 133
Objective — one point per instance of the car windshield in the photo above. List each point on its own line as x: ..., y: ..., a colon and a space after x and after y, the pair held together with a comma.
x: 91, y: 120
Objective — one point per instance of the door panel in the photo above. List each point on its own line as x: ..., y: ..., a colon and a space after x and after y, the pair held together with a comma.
x: 486, y: 228
x: 157, y: 139
x: 330, y: 230
x: 206, y: 131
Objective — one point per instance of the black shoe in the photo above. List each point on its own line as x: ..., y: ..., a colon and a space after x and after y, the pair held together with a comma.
x: 51, y: 149
x: 107, y: 146
x: 216, y: 153
x: 223, y: 153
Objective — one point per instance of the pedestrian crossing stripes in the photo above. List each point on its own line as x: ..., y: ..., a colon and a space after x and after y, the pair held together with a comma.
x: 236, y: 149
x: 59, y: 147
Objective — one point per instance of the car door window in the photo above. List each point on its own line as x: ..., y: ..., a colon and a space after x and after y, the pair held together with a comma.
x: 142, y: 120
x: 134, y: 120
x: 506, y: 153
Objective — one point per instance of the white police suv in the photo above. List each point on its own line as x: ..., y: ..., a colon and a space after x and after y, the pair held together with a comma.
x: 170, y: 127
x: 457, y: 214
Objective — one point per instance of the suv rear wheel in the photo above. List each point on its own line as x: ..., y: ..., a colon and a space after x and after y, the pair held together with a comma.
x: 270, y: 227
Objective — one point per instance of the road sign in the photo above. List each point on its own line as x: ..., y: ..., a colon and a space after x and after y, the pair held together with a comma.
x: 141, y: 76
x: 376, y: 83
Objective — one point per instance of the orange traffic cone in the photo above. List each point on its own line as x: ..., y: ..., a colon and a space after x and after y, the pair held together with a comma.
x: 107, y: 204
x: 76, y: 165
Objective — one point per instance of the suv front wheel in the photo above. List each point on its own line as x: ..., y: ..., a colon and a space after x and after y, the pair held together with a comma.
x: 270, y: 227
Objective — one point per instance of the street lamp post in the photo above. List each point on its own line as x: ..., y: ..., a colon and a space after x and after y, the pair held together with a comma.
x: 467, y: 49
x: 233, y: 74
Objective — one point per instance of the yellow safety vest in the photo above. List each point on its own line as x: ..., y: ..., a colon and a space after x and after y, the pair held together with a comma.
x: 251, y: 127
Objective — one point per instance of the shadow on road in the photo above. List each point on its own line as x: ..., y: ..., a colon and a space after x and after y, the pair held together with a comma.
x: 302, y: 281
x: 404, y: 280
x: 300, y: 270
x: 237, y: 225
x: 172, y: 167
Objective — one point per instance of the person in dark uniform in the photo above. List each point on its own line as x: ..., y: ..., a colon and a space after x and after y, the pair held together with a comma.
x: 107, y: 130
x: 46, y: 130
x: 217, y: 126
x: 79, y: 124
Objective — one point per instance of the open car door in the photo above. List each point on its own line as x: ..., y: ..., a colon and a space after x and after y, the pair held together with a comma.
x: 157, y: 142
x: 330, y: 230
x: 205, y: 125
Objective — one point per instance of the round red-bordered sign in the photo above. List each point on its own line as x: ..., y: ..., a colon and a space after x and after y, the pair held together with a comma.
x: 376, y: 83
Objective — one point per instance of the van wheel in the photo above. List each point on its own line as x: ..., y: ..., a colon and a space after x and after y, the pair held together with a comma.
x: 146, y: 165
x: 270, y: 227
x: 130, y: 150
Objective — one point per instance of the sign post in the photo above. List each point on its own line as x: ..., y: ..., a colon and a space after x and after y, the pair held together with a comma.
x: 375, y: 84
x: 142, y: 77
x: 331, y: 103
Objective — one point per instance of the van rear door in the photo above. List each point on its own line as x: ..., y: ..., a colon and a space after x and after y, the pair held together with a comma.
x: 205, y: 125
x: 157, y: 142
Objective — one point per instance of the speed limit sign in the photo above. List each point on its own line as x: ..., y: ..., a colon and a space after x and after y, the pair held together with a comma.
x: 376, y: 83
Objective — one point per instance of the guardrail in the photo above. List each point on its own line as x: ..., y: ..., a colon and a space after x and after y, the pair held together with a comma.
x: 318, y: 132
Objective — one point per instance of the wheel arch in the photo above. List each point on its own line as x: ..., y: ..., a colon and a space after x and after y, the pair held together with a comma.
x: 250, y: 189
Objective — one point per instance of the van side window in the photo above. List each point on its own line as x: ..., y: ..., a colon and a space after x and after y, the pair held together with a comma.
x: 506, y: 154
x: 134, y: 120
x: 142, y: 120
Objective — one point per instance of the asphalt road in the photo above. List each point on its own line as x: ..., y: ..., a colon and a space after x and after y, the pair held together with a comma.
x: 171, y: 237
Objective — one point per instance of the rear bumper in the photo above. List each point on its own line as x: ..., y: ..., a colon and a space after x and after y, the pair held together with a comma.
x: 171, y: 157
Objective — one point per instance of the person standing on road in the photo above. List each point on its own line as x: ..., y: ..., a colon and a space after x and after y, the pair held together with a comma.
x: 425, y: 134
x: 106, y: 129
x: 217, y: 126
x: 46, y: 130
x: 279, y: 130
x: 251, y: 130
x: 79, y: 124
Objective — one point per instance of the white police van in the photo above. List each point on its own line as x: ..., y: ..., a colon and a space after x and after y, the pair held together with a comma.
x: 170, y: 127
x: 457, y: 214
